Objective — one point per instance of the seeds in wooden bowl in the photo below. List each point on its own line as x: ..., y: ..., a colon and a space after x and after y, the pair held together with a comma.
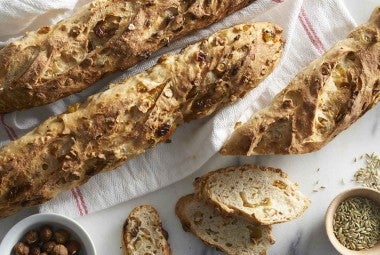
x: 356, y: 223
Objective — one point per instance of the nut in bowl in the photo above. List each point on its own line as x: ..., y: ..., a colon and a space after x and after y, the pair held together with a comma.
x: 47, y: 234
x: 353, y: 220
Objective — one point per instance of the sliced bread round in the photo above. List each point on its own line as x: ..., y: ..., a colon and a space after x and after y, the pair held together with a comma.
x: 262, y: 195
x: 143, y: 233
x: 229, y: 234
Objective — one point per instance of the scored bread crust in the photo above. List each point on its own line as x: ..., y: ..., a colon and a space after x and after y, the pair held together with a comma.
x: 101, y: 37
x: 274, y: 199
x: 210, y: 225
x: 135, y: 114
x: 144, y: 225
x: 324, y: 99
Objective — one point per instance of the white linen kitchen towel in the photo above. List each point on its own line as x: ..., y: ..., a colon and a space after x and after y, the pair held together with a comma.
x: 310, y: 27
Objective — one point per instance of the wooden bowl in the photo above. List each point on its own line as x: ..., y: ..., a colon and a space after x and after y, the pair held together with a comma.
x: 355, y: 192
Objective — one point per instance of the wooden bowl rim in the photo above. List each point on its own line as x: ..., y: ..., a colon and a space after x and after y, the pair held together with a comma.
x: 354, y: 192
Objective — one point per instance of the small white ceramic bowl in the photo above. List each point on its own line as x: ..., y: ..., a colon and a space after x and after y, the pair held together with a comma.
x: 56, y: 221
x: 355, y: 192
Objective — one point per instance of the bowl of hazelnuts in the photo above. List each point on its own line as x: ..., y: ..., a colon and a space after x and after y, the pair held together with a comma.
x: 47, y: 234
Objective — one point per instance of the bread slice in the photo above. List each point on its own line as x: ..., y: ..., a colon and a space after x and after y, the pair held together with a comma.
x: 229, y: 234
x: 261, y: 195
x: 143, y: 233
x: 324, y: 99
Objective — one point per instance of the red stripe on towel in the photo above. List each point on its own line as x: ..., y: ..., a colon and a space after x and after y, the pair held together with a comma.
x: 310, y: 31
x: 83, y: 203
x: 303, y: 12
x: 77, y: 201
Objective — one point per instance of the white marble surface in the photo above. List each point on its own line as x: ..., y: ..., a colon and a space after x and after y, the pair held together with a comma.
x: 305, y: 236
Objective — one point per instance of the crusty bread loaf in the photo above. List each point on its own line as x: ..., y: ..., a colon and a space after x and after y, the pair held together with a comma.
x: 135, y: 114
x: 101, y: 37
x: 324, y: 99
x: 261, y: 195
x: 229, y: 234
x: 143, y: 233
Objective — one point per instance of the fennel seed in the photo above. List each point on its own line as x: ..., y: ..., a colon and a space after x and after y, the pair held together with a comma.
x: 356, y: 223
x: 369, y: 175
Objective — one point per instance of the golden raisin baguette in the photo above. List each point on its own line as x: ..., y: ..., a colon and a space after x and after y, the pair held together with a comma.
x: 135, y: 114
x: 143, y: 233
x: 324, y: 99
x: 261, y: 195
x: 228, y: 233
x: 101, y: 37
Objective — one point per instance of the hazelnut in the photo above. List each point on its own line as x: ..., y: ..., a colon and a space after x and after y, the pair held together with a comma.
x: 59, y: 249
x: 45, y: 233
x: 35, y: 251
x: 61, y: 236
x: 31, y: 237
x: 48, y: 247
x: 21, y: 249
x: 44, y: 253
x: 73, y: 247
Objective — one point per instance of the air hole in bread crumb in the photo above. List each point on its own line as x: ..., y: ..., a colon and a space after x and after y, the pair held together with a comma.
x: 45, y: 166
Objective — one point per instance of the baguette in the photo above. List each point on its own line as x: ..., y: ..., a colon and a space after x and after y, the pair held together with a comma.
x: 324, y: 99
x: 101, y: 37
x: 261, y: 195
x: 143, y: 233
x: 135, y: 114
x: 229, y: 234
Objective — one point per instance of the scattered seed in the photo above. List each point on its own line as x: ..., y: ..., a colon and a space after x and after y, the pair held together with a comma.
x: 369, y: 175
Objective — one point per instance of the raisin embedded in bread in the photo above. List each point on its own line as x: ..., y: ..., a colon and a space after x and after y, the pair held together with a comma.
x: 227, y: 233
x: 143, y: 233
x: 135, y: 114
x: 324, y: 99
x: 261, y: 195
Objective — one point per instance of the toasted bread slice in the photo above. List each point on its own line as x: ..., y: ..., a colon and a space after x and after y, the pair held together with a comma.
x: 262, y: 195
x: 143, y: 233
x: 229, y: 234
